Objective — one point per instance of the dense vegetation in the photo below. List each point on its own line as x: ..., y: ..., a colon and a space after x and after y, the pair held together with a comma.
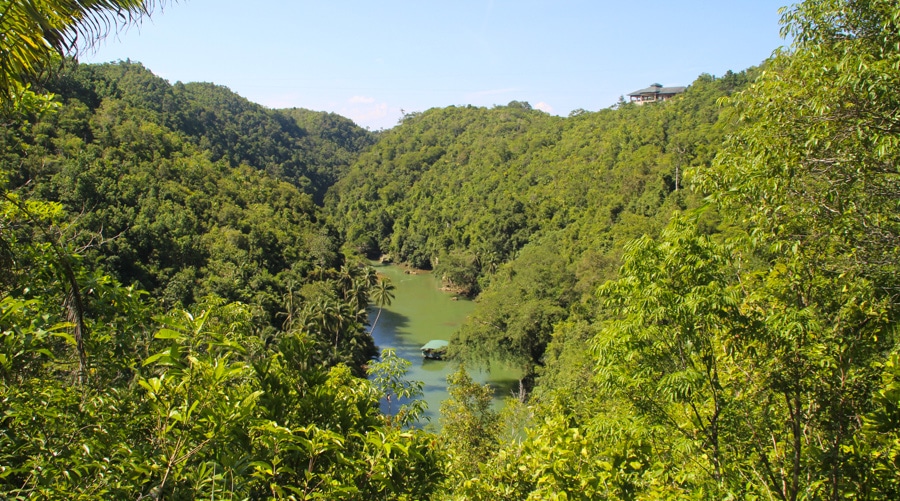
x: 702, y: 293
x: 186, y: 190
x: 465, y: 190
x: 753, y: 358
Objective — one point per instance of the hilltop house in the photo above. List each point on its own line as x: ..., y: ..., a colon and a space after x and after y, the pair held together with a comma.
x: 654, y: 93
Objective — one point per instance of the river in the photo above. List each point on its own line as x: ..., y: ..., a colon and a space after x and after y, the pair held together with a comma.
x: 419, y: 313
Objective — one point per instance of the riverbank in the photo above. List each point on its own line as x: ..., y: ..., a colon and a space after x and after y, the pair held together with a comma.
x: 421, y: 312
x: 458, y: 292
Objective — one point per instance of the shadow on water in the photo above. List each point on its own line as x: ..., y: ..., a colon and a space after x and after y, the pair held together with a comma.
x: 389, y: 321
x: 430, y: 365
x: 506, y: 387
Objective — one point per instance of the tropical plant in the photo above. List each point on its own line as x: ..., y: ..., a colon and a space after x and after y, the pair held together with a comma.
x: 382, y: 294
x: 388, y: 377
x: 37, y: 33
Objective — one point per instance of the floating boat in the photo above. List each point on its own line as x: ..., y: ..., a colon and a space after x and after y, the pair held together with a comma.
x: 435, y: 349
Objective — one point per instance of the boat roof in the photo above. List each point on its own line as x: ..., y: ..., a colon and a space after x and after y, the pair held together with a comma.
x: 435, y: 344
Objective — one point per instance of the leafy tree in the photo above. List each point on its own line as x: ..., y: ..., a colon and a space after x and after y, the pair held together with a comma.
x: 815, y: 155
x: 459, y: 271
x: 388, y: 377
x: 666, y: 350
x: 470, y: 426
x: 514, y: 319
x: 818, y: 137
x: 553, y: 461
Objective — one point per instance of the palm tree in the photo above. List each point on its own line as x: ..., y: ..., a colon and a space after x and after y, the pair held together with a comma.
x: 347, y: 276
x: 34, y: 33
x: 382, y: 295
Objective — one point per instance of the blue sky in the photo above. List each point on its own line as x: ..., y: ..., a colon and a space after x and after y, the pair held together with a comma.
x: 368, y: 60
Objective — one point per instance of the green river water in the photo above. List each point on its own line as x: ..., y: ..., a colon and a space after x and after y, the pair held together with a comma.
x: 419, y: 313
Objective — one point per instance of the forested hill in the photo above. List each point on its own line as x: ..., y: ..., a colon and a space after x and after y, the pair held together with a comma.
x: 465, y: 190
x: 483, y: 182
x: 704, y: 293
x: 186, y: 190
x: 306, y: 148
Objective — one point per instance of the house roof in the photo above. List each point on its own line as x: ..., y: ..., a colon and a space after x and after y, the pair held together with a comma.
x: 658, y: 89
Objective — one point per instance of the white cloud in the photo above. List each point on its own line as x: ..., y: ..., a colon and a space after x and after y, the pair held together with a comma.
x: 544, y: 107
x: 361, y: 100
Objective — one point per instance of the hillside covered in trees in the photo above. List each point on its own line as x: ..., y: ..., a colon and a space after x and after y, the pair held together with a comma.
x: 530, y: 210
x: 702, y: 293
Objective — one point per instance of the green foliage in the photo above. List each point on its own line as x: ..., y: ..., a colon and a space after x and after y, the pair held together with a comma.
x: 36, y: 33
x: 382, y: 295
x: 875, y: 457
x: 815, y: 157
x: 210, y: 396
x: 464, y: 181
x: 308, y: 149
x: 459, y: 270
x: 465, y: 190
x: 470, y: 427
x: 668, y: 350
x: 552, y: 462
x: 745, y: 350
x: 514, y: 318
x: 208, y: 409
x: 748, y: 351
x: 149, y: 174
x: 814, y: 161
x: 388, y: 377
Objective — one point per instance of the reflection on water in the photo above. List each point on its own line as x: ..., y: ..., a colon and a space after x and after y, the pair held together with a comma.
x: 419, y: 313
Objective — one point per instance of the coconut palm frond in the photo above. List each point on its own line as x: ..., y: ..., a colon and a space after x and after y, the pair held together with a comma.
x: 35, y: 32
